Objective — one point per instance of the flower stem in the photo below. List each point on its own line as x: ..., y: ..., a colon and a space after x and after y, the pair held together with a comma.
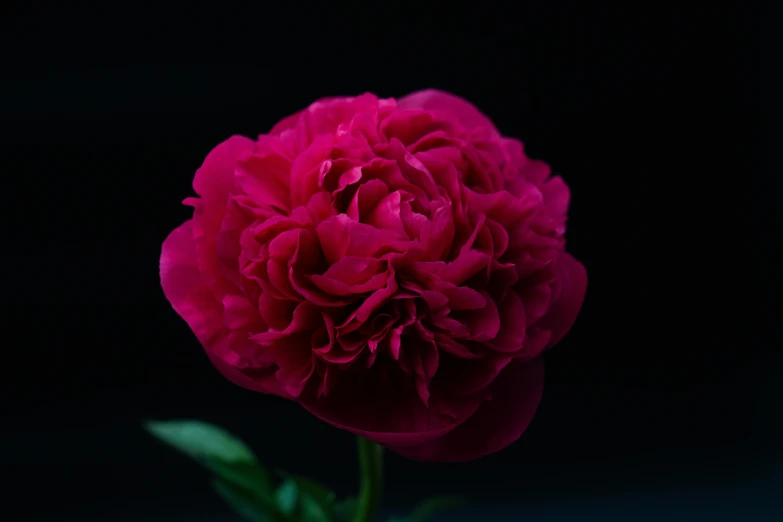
x: 371, y: 481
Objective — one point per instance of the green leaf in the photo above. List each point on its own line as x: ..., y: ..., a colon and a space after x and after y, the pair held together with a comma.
x: 201, y: 440
x: 250, y: 475
x: 315, y: 489
x: 345, y: 509
x: 317, y: 502
x: 245, y: 503
x: 429, y: 508
x: 287, y: 496
x: 314, y: 511
x: 216, y: 449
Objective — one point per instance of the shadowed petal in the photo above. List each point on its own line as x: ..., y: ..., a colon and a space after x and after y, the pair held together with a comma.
x: 563, y: 311
x: 497, y: 423
x: 391, y: 419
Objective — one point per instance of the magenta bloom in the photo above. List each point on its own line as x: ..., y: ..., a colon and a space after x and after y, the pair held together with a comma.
x: 394, y: 266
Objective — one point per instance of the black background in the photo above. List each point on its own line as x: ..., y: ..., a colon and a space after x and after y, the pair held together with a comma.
x: 652, y: 114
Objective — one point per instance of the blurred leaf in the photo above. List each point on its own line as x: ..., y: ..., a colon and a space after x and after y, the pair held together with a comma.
x: 245, y: 503
x: 314, y: 511
x: 345, y: 509
x: 286, y: 496
x: 429, y: 508
x: 218, y: 450
x: 315, y: 489
x: 200, y: 439
x: 317, y: 502
x: 251, y: 475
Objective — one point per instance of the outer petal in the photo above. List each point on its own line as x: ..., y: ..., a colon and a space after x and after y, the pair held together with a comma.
x: 394, y: 421
x: 184, y: 288
x: 287, y: 123
x: 214, y: 181
x: 498, y: 422
x: 215, y: 178
x: 463, y: 110
x: 563, y: 311
x: 190, y: 297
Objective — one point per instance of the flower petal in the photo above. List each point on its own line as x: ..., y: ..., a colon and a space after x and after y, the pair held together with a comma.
x: 395, y: 420
x: 341, y: 236
x: 497, y: 423
x: 463, y: 110
x: 563, y: 311
x: 193, y: 301
x: 265, y: 177
x: 214, y: 180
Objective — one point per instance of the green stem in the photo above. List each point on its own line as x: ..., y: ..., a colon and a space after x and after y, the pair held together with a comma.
x: 371, y: 481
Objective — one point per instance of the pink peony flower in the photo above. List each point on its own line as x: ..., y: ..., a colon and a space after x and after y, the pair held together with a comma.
x: 394, y: 266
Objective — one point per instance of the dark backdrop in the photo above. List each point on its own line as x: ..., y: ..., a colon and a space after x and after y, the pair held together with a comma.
x: 661, y: 398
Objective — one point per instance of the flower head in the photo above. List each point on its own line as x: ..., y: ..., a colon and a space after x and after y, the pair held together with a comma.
x: 395, y: 266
